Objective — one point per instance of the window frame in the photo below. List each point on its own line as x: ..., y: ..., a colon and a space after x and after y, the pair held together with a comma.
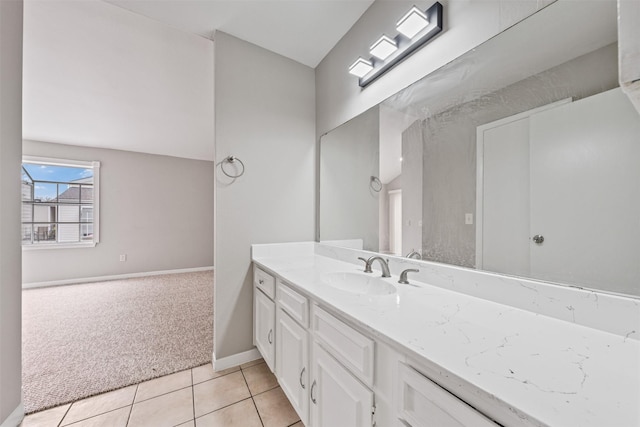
x: 95, y: 166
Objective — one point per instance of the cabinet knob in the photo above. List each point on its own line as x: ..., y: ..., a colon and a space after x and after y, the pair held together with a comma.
x: 313, y: 399
x: 270, y: 336
x: 301, y: 374
x: 261, y: 281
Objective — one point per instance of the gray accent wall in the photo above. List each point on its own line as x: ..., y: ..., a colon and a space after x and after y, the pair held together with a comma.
x: 412, y: 172
x: 10, y: 152
x: 349, y: 157
x: 265, y: 115
x: 158, y: 210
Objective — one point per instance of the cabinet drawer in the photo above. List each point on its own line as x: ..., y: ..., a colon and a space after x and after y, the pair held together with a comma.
x: 423, y: 403
x: 264, y: 281
x: 296, y: 305
x: 350, y: 347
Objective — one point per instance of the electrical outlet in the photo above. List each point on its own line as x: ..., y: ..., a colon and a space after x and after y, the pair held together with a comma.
x: 123, y: 257
x: 468, y: 219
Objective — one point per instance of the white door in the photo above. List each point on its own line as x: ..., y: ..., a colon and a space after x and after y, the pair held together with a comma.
x: 395, y: 222
x: 292, y: 357
x: 337, y: 397
x: 585, y: 192
x: 263, y: 327
x: 505, y: 216
x: 503, y: 194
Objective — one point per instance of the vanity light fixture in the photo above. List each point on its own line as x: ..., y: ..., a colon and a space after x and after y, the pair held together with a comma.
x: 384, y: 47
x: 415, y: 28
x: 361, y: 67
x: 412, y: 23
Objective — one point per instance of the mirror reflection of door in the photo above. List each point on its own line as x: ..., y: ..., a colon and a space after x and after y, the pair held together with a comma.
x: 574, y: 180
x: 503, y: 199
x: 395, y: 222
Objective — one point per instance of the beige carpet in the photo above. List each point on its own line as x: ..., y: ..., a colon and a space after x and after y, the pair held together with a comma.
x: 81, y: 340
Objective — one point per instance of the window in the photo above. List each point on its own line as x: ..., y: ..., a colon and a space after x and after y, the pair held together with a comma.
x: 59, y: 202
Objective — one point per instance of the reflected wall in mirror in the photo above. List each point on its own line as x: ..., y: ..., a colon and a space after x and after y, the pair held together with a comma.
x: 519, y: 157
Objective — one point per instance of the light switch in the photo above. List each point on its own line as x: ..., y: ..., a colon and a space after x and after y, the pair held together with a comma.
x: 468, y: 219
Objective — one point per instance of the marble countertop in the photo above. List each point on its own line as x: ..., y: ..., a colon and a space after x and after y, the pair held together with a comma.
x: 547, y: 371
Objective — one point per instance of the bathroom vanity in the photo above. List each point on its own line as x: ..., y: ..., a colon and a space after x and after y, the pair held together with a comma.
x: 455, y: 347
x: 513, y: 170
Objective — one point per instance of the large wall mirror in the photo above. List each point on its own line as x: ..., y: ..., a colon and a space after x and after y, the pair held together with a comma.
x: 520, y: 157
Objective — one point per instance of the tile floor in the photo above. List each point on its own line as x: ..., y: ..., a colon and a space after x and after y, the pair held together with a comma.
x: 245, y: 396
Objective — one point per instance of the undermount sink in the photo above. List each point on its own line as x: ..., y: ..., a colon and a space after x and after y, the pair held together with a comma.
x: 360, y: 284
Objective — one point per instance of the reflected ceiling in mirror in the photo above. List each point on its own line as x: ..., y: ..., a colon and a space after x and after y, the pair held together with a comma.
x: 518, y: 157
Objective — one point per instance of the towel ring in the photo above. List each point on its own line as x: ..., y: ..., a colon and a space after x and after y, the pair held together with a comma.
x: 230, y: 160
x: 375, y: 184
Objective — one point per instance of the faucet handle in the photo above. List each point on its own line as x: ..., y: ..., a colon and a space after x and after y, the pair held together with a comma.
x: 403, y: 276
x: 367, y: 264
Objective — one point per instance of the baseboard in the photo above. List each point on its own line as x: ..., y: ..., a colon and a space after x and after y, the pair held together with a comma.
x: 235, y: 359
x: 113, y: 277
x: 15, y: 418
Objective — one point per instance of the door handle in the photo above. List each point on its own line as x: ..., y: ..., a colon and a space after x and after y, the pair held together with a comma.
x: 538, y: 238
x: 270, y: 336
x: 313, y: 386
x: 301, y: 374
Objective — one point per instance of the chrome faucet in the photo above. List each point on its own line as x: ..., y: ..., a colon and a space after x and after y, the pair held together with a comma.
x: 403, y: 276
x: 383, y: 263
x: 414, y: 254
x: 367, y: 264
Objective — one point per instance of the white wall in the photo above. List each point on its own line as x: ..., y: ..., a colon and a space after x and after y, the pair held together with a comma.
x: 265, y: 116
x: 466, y: 25
x: 158, y: 210
x: 98, y: 75
x: 10, y: 153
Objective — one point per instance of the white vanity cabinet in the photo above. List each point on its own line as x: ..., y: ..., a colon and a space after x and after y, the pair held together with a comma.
x: 335, y: 375
x: 264, y: 316
x: 292, y: 348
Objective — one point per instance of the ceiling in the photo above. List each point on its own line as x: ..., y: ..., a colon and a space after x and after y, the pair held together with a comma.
x: 302, y: 30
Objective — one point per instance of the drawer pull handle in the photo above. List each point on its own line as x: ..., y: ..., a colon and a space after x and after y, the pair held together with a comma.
x: 301, y: 374
x: 270, y: 336
x: 313, y: 386
x: 261, y: 281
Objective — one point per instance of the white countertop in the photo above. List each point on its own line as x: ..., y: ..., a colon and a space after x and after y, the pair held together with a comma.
x: 548, y: 371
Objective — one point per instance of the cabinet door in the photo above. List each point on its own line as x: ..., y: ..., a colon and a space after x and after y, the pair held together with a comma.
x: 423, y: 403
x: 292, y: 348
x: 263, y: 326
x: 337, y: 397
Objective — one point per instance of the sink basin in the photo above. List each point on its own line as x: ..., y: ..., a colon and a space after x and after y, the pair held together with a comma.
x: 359, y: 284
